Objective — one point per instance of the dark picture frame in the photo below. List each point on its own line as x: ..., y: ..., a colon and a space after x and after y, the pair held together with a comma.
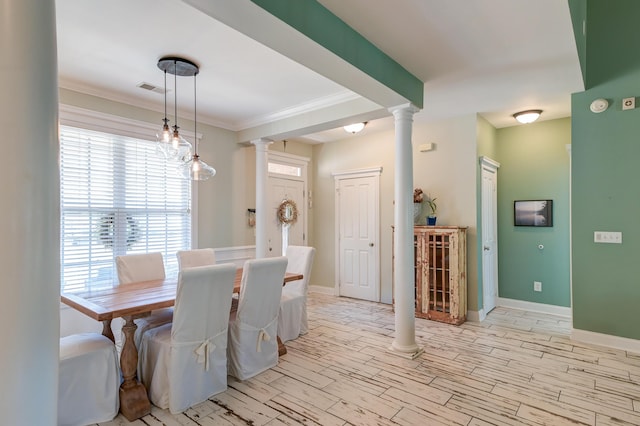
x: 533, y: 213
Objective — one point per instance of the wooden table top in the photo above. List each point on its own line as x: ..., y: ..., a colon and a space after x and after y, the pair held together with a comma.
x: 136, y: 298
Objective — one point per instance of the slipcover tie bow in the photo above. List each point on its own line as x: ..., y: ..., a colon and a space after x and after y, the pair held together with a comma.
x: 263, y: 335
x: 203, y: 353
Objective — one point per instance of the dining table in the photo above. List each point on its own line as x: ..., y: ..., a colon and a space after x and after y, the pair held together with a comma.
x: 129, y: 302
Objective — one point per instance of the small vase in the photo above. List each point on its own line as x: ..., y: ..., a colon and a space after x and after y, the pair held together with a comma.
x: 431, y: 220
x: 417, y: 209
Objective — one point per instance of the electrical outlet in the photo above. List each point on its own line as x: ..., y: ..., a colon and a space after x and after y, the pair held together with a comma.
x: 537, y: 286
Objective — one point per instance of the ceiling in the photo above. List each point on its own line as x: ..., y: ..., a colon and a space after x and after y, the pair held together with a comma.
x: 492, y: 57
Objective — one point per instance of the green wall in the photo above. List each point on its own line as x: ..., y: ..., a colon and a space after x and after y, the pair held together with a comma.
x: 606, y: 287
x: 534, y: 164
x: 605, y: 152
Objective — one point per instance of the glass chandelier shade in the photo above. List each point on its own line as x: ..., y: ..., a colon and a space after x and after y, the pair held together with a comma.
x: 196, y: 169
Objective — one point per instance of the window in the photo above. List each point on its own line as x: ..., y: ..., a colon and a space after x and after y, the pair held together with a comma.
x: 117, y: 196
x: 284, y: 169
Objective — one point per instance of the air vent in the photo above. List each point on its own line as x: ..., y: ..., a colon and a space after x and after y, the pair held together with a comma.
x: 151, y: 87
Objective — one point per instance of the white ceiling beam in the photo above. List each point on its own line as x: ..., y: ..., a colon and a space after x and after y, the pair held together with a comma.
x: 258, y: 24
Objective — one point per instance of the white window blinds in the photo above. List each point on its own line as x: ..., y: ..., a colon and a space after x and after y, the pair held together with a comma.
x: 117, y: 196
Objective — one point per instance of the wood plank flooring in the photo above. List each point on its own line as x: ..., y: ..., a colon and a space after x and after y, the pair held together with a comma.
x: 514, y: 368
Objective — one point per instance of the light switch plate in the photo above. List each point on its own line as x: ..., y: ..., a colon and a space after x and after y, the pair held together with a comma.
x: 607, y: 237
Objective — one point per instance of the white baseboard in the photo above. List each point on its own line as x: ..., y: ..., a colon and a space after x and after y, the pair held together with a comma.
x: 608, y: 340
x: 322, y: 290
x: 534, y: 307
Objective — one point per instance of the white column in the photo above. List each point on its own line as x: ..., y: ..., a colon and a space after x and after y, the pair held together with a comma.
x: 262, y: 160
x: 29, y: 218
x: 404, y: 296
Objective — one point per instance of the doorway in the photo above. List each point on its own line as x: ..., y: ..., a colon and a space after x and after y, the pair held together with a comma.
x: 358, y: 234
x: 489, y: 234
x: 287, y: 180
x: 279, y: 235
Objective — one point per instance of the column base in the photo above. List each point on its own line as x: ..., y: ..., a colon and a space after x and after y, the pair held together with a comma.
x: 411, y: 352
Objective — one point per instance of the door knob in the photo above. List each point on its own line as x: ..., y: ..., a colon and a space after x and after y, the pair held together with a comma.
x: 370, y: 244
x: 487, y: 248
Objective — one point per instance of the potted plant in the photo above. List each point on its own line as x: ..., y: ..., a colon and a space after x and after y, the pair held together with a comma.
x: 433, y: 208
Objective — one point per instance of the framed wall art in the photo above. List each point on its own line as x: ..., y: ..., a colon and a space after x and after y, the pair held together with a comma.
x: 533, y: 213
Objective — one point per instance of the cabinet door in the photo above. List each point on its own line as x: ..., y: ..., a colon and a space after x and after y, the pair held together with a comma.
x: 439, y: 272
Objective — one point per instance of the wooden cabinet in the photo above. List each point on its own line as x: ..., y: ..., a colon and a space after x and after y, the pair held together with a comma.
x: 441, y: 273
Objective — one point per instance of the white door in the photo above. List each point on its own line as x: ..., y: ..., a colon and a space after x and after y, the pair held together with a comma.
x: 357, y: 214
x: 293, y: 234
x: 489, y: 234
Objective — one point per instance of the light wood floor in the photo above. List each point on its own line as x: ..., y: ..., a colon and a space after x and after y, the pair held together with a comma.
x: 515, y: 368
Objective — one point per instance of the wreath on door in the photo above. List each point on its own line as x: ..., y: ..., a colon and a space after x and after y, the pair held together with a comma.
x: 106, y: 230
x: 287, y: 212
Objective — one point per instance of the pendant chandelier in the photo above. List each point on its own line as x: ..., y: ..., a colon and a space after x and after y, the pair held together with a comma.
x: 170, y: 143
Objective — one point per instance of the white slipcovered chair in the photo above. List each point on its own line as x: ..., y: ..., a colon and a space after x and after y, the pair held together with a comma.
x: 185, y: 362
x: 143, y: 267
x: 292, y: 320
x: 253, y: 328
x: 89, y: 380
x: 196, y: 257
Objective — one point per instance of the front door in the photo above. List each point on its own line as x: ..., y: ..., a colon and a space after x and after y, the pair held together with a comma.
x: 489, y: 234
x: 281, y: 235
x: 357, y: 206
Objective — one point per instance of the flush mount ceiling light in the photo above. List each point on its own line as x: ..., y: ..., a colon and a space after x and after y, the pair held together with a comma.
x: 355, y: 128
x: 170, y: 143
x: 529, y: 116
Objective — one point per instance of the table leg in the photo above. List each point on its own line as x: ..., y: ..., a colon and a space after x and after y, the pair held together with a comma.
x: 106, y: 330
x: 134, y: 402
x: 282, y: 349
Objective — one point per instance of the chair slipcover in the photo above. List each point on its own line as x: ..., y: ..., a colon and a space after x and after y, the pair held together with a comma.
x: 292, y: 320
x: 185, y: 362
x: 89, y: 380
x: 143, y: 267
x: 253, y: 328
x: 140, y: 267
x: 196, y: 257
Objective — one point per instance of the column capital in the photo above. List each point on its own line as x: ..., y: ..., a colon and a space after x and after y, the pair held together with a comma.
x: 404, y: 110
x: 262, y: 143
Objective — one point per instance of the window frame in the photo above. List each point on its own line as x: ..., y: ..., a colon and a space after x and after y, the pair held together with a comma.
x: 121, y: 126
